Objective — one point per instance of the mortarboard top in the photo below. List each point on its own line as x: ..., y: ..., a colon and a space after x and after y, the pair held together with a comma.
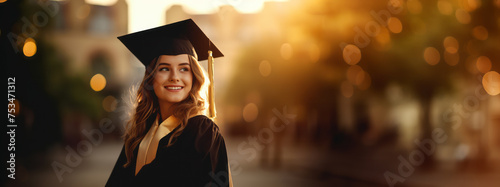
x: 172, y: 39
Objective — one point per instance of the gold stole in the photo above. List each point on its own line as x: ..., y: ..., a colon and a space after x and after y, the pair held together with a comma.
x: 149, y: 144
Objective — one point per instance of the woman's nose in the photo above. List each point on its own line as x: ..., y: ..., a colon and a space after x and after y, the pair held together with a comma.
x: 173, y: 77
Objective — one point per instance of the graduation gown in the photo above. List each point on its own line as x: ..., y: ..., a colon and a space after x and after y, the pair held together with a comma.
x: 197, y: 158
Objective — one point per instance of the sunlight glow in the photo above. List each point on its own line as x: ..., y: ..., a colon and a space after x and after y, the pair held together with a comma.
x: 98, y: 82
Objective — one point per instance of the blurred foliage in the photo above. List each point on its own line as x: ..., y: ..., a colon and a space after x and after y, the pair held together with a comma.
x: 316, y: 85
x: 50, y: 70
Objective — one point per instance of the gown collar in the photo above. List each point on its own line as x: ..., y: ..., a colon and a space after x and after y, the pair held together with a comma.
x: 149, y: 144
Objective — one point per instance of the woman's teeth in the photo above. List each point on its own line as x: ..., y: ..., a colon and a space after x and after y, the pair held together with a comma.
x: 174, y: 88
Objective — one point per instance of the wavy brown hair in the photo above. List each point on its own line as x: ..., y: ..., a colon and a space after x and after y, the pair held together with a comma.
x: 147, y: 107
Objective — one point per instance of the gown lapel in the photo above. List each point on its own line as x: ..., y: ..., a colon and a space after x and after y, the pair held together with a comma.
x: 149, y: 144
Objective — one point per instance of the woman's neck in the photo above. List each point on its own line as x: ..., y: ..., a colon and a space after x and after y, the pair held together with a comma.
x: 166, y: 110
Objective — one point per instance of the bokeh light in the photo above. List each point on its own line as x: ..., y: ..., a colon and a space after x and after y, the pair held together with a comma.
x: 29, y: 48
x: 473, y: 47
x: 395, y: 4
x: 351, y: 54
x: 250, y: 112
x: 414, y: 6
x: 445, y: 7
x: 314, y: 53
x: 101, y: 2
x: 109, y: 103
x: 470, y: 64
x: 451, y: 59
x: 1, y: 1
x: 360, y: 77
x: 431, y: 55
x: 346, y: 89
x: 395, y: 25
x: 286, y: 51
x: 363, y: 80
x: 480, y: 32
x: 18, y: 107
x: 491, y: 83
x: 265, y: 68
x: 83, y: 12
x: 451, y: 44
x: 471, y: 5
x: 462, y: 16
x: 483, y: 64
x: 383, y: 38
x: 352, y: 73
x: 98, y: 82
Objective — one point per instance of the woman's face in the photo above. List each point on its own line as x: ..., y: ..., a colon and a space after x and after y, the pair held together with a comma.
x: 173, y: 79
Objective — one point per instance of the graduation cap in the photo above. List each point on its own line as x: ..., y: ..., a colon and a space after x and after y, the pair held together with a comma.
x: 183, y: 37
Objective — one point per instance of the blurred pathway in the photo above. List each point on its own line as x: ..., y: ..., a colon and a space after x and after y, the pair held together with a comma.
x: 300, y: 166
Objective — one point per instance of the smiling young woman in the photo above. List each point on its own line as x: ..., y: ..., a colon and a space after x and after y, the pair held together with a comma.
x: 169, y: 140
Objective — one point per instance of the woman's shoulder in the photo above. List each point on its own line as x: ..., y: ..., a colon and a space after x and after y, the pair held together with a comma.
x: 204, y: 132
x: 202, y: 123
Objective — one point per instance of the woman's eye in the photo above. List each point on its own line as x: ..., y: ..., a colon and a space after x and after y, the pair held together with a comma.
x: 184, y: 69
x: 164, y: 69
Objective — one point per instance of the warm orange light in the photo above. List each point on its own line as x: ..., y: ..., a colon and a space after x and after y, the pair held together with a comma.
x: 98, y: 82
x: 364, y: 81
x: 383, y: 38
x: 473, y: 47
x: 451, y: 58
x: 360, y: 78
x: 29, y: 48
x: 265, y: 68
x: 483, y: 64
x: 83, y: 11
x: 431, y: 55
x: 346, y: 89
x: 471, y: 5
x: 445, y: 7
x: 109, y: 103
x: 351, y: 54
x: 101, y: 2
x: 18, y: 107
x: 414, y: 6
x: 286, y: 51
x: 314, y: 53
x: 396, y: 3
x: 250, y: 112
x: 352, y: 73
x: 1, y: 1
x: 450, y: 44
x: 462, y: 16
x: 480, y: 33
x: 470, y: 64
x: 491, y: 83
x: 394, y: 25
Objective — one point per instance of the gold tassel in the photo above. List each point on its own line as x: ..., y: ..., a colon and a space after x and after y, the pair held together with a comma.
x: 211, y: 93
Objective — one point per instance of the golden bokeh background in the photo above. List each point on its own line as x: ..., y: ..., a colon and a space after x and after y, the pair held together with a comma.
x: 308, y: 93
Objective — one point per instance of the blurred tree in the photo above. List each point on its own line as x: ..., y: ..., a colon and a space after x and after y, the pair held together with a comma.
x: 47, y: 92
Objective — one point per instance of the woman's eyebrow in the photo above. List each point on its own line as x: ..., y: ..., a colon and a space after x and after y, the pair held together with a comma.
x: 167, y: 64
x: 163, y: 63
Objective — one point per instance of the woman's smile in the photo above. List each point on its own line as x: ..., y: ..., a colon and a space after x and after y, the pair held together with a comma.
x: 173, y: 79
x: 174, y: 88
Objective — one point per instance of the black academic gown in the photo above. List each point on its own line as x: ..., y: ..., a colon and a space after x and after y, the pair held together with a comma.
x: 197, y: 158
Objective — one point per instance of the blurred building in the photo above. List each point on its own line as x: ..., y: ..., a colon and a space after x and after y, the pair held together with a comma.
x: 86, y: 36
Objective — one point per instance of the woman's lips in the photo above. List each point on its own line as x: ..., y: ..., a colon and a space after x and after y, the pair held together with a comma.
x: 174, y: 88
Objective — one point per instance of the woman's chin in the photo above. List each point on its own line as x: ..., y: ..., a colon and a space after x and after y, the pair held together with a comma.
x: 172, y: 100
